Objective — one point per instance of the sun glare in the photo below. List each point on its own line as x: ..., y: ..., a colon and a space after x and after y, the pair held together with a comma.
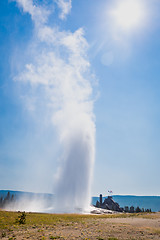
x: 128, y: 14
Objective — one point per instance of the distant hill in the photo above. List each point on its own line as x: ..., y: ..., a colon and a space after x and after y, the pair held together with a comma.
x: 3, y: 193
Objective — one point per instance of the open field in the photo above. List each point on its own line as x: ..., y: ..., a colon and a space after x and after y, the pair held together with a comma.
x: 74, y: 226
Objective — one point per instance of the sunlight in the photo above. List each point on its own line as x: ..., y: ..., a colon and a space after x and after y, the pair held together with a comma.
x: 128, y: 14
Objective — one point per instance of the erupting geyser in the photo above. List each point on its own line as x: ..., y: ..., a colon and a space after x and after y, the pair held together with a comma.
x: 59, y: 70
x: 74, y: 182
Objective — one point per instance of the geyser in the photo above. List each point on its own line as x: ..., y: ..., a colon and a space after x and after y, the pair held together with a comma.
x: 59, y: 73
x: 74, y: 179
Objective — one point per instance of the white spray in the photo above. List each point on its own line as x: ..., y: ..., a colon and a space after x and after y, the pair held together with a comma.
x: 61, y: 70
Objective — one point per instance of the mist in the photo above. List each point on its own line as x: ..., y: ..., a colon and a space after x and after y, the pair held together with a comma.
x: 59, y: 79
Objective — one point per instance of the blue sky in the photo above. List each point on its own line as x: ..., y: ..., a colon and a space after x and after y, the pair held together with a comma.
x: 125, y: 61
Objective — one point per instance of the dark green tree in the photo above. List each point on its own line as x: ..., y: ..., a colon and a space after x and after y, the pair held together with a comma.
x: 138, y: 210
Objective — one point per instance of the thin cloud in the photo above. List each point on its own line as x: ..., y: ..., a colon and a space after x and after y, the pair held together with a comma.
x: 39, y: 14
x: 65, y: 7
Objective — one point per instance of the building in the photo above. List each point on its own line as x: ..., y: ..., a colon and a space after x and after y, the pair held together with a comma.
x: 108, y: 204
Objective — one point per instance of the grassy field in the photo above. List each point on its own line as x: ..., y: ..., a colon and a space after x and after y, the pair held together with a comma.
x: 74, y: 226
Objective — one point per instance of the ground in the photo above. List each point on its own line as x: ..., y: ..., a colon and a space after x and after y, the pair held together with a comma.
x: 74, y: 226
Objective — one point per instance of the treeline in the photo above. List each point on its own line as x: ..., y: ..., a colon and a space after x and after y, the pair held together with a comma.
x: 4, y: 201
x: 135, y: 210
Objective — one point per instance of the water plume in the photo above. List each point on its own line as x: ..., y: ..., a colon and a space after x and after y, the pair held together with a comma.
x: 59, y: 75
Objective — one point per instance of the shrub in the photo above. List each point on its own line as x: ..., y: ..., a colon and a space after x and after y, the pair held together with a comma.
x: 56, y: 237
x: 21, y: 218
x: 3, y: 234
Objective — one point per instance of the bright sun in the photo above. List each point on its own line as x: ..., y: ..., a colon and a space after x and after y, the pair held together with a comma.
x: 127, y: 14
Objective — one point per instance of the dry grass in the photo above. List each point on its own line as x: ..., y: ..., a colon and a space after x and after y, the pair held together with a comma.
x: 76, y: 226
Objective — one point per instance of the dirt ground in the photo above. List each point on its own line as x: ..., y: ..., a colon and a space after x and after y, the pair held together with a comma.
x: 143, y: 226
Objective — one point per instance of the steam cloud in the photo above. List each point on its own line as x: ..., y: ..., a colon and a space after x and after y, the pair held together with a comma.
x: 60, y: 70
